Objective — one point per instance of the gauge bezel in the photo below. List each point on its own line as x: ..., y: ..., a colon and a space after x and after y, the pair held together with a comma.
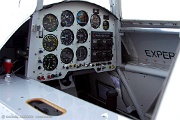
x: 84, y: 56
x: 95, y: 25
x: 55, y: 43
x: 107, y: 25
x: 51, y: 29
x: 84, y: 22
x: 85, y: 35
x: 67, y: 49
x: 55, y: 60
x: 70, y: 41
x: 71, y: 21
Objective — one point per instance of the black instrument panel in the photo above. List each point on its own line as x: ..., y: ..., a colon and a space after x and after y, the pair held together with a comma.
x: 68, y: 42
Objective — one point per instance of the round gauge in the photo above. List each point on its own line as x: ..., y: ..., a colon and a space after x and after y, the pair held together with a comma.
x: 95, y: 21
x: 81, y: 53
x: 67, y: 55
x: 105, y: 25
x: 50, y: 22
x: 50, y: 42
x: 82, y: 36
x: 82, y: 18
x: 67, y: 18
x: 67, y: 37
x: 50, y: 62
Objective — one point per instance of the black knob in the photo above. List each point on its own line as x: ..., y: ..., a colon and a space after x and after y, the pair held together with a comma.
x: 98, y: 69
x: 60, y: 74
x: 40, y: 51
x: 39, y: 67
x: 52, y: 75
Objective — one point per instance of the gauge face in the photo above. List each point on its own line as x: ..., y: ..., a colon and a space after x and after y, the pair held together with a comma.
x: 81, y: 53
x: 82, y: 36
x: 50, y: 42
x: 67, y: 55
x: 50, y: 62
x: 95, y: 21
x: 67, y: 18
x: 67, y: 37
x: 82, y: 18
x: 50, y: 22
x: 105, y: 25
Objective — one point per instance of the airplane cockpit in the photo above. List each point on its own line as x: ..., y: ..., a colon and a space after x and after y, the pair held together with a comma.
x: 65, y: 40
x: 77, y: 59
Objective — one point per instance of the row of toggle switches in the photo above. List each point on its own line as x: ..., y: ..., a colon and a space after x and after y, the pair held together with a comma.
x: 77, y: 65
x: 100, y: 66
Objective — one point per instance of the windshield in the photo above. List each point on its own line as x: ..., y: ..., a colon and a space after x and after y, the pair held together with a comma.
x: 151, y: 9
x: 13, y: 14
x: 98, y: 2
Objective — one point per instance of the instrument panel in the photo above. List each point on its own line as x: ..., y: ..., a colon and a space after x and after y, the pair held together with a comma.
x: 73, y: 36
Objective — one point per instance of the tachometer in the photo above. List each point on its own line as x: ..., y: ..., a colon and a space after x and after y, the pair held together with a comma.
x: 67, y: 55
x: 50, y: 62
x: 67, y: 18
x: 95, y: 21
x: 81, y: 53
x: 82, y: 18
x: 82, y: 36
x: 67, y: 37
x: 50, y: 22
x: 50, y: 42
